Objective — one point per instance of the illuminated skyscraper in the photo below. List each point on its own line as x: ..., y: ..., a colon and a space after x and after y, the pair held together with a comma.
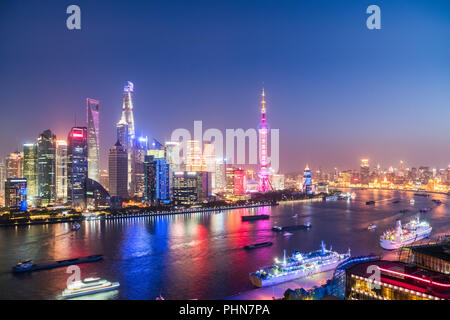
x: 14, y: 165
x: 61, y: 171
x: 191, y: 187
x: 30, y: 170
x: 194, y: 161
x: 364, y: 172
x: 126, y: 135
x: 277, y: 181
x: 149, y: 179
x: 264, y: 182
x: 2, y: 183
x: 118, y: 171
x: 104, y: 179
x: 92, y: 116
x: 139, y: 153
x: 239, y: 182
x: 77, y: 167
x: 127, y: 109
x: 219, y: 177
x: 122, y: 134
x: 16, y: 194
x: 308, y: 187
x: 229, y: 180
x: 46, y: 154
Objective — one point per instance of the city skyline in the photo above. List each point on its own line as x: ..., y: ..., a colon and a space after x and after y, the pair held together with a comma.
x: 250, y: 152
x: 335, y: 100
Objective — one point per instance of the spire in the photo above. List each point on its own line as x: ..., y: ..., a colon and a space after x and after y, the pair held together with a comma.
x: 263, y: 102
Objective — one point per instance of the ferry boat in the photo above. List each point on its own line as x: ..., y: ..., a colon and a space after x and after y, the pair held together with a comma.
x: 297, y: 266
x: 400, y: 236
x: 88, y: 286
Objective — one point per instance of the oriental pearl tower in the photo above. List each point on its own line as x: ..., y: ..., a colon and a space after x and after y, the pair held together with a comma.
x: 264, y: 182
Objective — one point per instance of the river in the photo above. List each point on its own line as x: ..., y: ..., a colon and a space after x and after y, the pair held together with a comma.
x: 200, y: 255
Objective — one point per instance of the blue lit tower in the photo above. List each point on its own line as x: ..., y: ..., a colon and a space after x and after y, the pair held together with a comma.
x: 307, y: 181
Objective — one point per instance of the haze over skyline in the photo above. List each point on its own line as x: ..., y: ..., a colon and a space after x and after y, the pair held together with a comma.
x: 337, y: 91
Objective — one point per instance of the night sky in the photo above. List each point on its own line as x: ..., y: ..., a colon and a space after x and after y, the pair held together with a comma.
x: 336, y: 90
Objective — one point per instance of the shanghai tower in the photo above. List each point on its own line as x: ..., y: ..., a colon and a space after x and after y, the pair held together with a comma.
x: 92, y: 111
x: 126, y: 133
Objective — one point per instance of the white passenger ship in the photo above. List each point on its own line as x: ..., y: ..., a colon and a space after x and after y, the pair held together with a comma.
x: 88, y: 286
x: 400, y: 236
x: 297, y: 266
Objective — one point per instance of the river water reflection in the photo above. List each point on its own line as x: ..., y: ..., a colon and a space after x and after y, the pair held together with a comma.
x: 200, y: 256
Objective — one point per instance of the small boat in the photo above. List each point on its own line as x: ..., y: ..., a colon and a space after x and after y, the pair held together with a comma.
x: 255, y: 217
x: 396, y: 201
x: 371, y: 227
x: 287, y: 234
x: 404, y: 211
x: 295, y: 216
x: 160, y: 297
x: 437, y: 201
x: 412, y: 201
x: 370, y: 202
x: 28, y: 265
x: 423, y: 210
x: 75, y: 226
x: 88, y: 286
x: 258, y: 245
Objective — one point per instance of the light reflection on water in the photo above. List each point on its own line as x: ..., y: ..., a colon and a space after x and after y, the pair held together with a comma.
x: 199, y: 255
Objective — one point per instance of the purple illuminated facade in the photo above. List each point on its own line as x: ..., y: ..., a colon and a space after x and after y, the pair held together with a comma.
x: 264, y: 182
